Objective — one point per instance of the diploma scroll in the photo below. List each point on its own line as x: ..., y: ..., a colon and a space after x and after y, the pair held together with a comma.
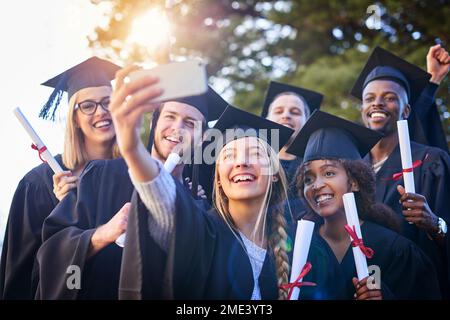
x: 351, y: 213
x: 45, y: 153
x: 303, y: 237
x: 405, y: 152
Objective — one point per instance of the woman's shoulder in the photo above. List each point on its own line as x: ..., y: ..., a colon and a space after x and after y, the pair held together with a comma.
x: 222, y: 229
x: 42, y: 174
x: 375, y: 231
x: 110, y: 166
x: 213, y: 215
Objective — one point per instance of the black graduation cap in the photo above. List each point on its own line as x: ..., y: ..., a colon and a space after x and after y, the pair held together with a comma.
x: 276, y: 135
x: 325, y: 136
x: 234, y: 118
x: 312, y: 98
x: 383, y: 64
x: 210, y: 104
x: 93, y: 72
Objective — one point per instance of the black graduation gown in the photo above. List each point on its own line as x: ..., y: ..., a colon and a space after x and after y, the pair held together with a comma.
x: 205, y: 178
x: 406, y: 272
x: 204, y: 261
x: 432, y: 180
x: 32, y: 203
x: 141, y: 251
x: 424, y: 121
x: 104, y: 188
x: 295, y: 201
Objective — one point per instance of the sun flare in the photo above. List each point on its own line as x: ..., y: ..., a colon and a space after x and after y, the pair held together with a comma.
x: 152, y: 29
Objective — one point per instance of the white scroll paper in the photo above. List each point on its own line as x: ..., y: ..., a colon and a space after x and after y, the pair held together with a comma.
x: 405, y: 152
x: 46, y: 155
x: 172, y: 161
x: 351, y: 213
x: 303, y: 237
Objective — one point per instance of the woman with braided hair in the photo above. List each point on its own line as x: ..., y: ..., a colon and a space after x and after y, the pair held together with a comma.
x: 237, y: 250
x: 332, y: 149
x: 267, y: 215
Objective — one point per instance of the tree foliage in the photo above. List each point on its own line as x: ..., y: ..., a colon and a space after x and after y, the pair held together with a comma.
x: 321, y: 45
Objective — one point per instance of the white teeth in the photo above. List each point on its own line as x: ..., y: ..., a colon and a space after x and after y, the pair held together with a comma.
x: 243, y: 177
x: 323, y: 197
x: 172, y: 139
x: 102, y: 123
x: 378, y: 115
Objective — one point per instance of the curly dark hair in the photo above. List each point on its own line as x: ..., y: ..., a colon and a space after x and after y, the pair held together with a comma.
x: 360, y: 172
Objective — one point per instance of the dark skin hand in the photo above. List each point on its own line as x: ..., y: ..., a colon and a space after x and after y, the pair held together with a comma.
x: 416, y: 210
x: 363, y: 292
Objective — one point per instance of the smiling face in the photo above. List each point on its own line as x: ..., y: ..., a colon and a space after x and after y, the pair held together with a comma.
x: 384, y: 103
x: 242, y: 169
x: 175, y: 129
x: 98, y: 127
x: 325, y: 182
x: 288, y: 110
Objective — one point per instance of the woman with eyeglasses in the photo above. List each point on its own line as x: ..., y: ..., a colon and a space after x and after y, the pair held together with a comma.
x: 89, y: 135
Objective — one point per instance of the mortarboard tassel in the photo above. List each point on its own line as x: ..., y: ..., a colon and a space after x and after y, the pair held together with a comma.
x: 48, y: 111
x: 151, y: 137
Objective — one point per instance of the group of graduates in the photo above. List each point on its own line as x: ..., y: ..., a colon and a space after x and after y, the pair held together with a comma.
x: 227, y: 230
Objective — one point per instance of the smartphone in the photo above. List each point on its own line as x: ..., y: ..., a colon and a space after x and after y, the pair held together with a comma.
x: 177, y: 79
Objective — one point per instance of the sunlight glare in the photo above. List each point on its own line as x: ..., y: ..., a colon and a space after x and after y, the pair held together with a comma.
x: 151, y: 29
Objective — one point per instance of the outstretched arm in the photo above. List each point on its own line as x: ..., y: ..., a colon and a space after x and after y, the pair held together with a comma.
x: 156, y: 188
x: 129, y: 103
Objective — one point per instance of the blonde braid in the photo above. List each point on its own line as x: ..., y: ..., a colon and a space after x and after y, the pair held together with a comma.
x: 274, y: 207
x: 278, y: 225
x: 278, y: 240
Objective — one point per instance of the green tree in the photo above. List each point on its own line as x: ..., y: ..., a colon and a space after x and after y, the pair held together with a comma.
x: 321, y: 45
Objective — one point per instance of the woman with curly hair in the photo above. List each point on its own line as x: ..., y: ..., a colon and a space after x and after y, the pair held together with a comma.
x: 332, y: 149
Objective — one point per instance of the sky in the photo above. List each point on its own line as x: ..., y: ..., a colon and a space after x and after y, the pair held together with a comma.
x: 40, y: 39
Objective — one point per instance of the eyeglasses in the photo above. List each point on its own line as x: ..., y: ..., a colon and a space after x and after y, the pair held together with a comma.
x: 89, y: 107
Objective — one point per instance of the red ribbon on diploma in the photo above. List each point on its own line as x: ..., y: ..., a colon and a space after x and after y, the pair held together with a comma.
x: 399, y: 175
x: 357, y: 242
x: 297, y: 283
x: 40, y: 151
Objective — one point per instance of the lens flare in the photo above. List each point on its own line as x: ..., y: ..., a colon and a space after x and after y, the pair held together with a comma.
x: 151, y: 30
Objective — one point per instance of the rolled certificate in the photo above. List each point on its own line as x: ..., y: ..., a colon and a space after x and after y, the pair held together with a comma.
x: 303, y: 237
x: 212, y: 123
x: 172, y: 161
x: 45, y: 154
x: 120, y: 241
x: 351, y: 213
x: 405, y: 152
